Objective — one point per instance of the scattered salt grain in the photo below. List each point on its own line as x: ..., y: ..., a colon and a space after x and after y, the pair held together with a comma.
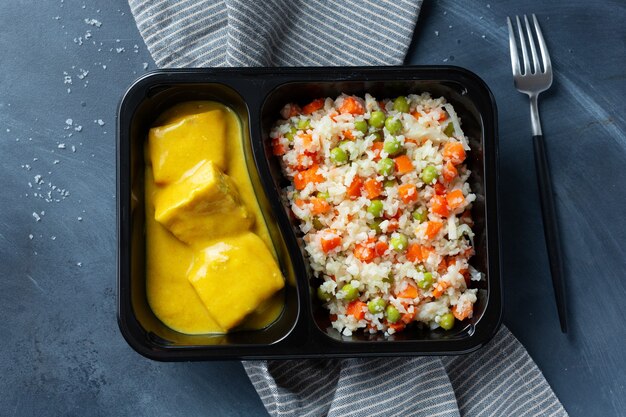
x: 36, y: 216
x: 120, y: 50
x: 31, y: 236
x: 53, y: 238
x: 80, y: 219
x: 61, y: 146
x: 100, y: 122
x: 73, y: 148
x: 145, y: 65
x: 93, y: 22
x: 69, y: 122
x: 78, y: 128
x: 436, y: 33
x: 56, y: 161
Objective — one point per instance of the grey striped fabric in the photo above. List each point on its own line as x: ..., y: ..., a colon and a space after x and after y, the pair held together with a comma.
x: 216, y: 33
x: 498, y: 380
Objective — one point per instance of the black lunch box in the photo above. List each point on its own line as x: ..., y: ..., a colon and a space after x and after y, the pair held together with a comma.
x: 303, y: 329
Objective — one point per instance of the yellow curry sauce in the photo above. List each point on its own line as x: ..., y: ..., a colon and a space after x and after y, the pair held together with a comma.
x: 210, y: 263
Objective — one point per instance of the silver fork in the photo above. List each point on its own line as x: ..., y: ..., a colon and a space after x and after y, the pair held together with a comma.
x: 532, y: 82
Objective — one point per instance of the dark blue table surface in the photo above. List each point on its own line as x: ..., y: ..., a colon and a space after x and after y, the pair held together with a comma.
x: 61, y: 351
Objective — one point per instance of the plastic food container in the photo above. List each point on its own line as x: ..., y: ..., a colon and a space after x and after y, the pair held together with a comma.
x: 257, y: 95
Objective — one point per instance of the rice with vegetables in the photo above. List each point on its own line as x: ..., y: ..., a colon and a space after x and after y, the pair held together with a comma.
x: 381, y: 194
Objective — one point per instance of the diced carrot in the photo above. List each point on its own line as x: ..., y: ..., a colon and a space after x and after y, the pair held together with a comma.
x: 381, y: 104
x: 354, y: 190
x: 413, y: 141
x: 416, y: 114
x: 313, y: 106
x: 364, y: 252
x: 300, y: 202
x: 440, y: 189
x: 408, y: 193
x: 290, y: 110
x: 443, y: 115
x: 377, y: 147
x: 409, y: 292
x: 330, y: 241
x: 408, y: 317
x: 454, y: 152
x: 348, y: 134
x: 440, y: 288
x: 373, y: 188
x: 356, y: 309
x: 307, y: 140
x: 392, y: 226
x: 320, y: 206
x: 439, y: 205
x: 455, y: 199
x: 352, y: 106
x: 310, y: 175
x: 449, y: 172
x: 332, y: 317
x: 463, y: 312
x: 443, y: 266
x: 432, y: 228
x: 278, y: 149
x: 381, y: 247
x: 398, y: 326
x: 403, y: 164
x: 417, y: 253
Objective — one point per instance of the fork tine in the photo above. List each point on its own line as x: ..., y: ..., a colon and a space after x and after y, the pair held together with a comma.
x: 531, y: 41
x: 547, y: 65
x: 513, y: 48
x: 522, y: 40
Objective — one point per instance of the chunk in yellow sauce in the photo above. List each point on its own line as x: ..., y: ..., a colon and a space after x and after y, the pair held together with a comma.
x: 211, y: 266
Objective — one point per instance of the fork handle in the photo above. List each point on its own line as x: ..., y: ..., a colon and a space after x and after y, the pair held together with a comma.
x: 550, y: 228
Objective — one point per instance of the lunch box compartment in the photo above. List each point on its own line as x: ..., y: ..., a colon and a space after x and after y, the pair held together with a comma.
x: 257, y: 96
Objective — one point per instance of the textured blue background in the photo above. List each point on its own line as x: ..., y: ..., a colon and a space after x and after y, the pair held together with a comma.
x: 61, y: 351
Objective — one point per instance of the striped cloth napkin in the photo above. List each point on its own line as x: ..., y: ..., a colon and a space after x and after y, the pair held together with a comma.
x: 498, y: 380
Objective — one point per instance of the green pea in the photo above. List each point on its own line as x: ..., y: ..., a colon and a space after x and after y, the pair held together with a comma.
x: 429, y: 174
x: 421, y: 214
x: 361, y: 126
x: 323, y: 295
x: 393, y: 125
x: 289, y: 135
x: 400, y: 104
x: 378, y: 136
x: 376, y: 306
x: 317, y: 223
x: 426, y: 281
x: 446, y: 321
x: 377, y: 119
x: 392, y: 146
x: 389, y: 183
x: 323, y: 195
x: 375, y: 208
x: 392, y: 313
x: 388, y: 278
x: 375, y: 225
x: 338, y: 155
x: 386, y: 166
x: 399, y: 242
x: 449, y: 130
x: 304, y: 124
x: 350, y: 292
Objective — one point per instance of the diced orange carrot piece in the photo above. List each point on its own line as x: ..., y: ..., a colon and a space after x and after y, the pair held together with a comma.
x: 403, y: 164
x: 320, y: 206
x: 392, y: 226
x: 381, y: 247
x: 351, y: 105
x: 413, y: 141
x: 307, y: 140
x: 278, y: 149
x: 356, y: 309
x: 440, y: 189
x: 449, y: 172
x: 454, y: 152
x: 348, y: 134
x: 330, y: 241
x: 300, y: 202
x: 354, y: 190
x: 443, y: 115
x: 364, y: 252
x: 408, y: 193
x: 409, y: 292
x: 313, y: 106
x: 332, y: 317
x: 310, y: 175
x: 439, y: 205
x: 416, y: 114
x: 455, y: 199
x: 443, y: 266
x: 377, y: 147
x: 432, y: 228
x: 440, y: 288
x: 409, y: 317
x: 398, y: 326
x: 417, y: 253
x: 462, y: 313
x: 373, y: 188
